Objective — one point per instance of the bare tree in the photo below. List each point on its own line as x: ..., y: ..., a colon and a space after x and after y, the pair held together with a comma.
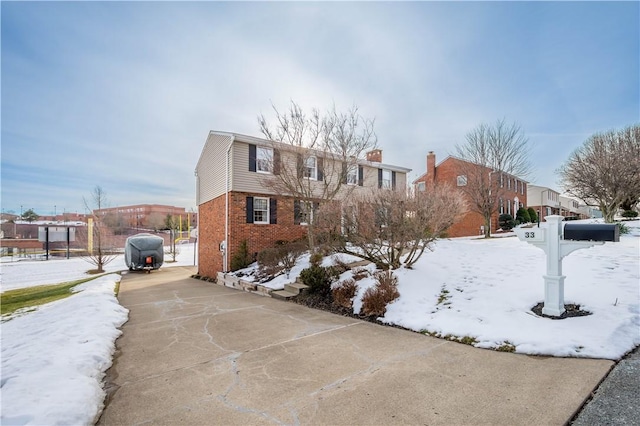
x: 491, y: 154
x: 100, y: 244
x: 172, y: 224
x: 605, y: 170
x: 392, y: 228
x: 316, y: 157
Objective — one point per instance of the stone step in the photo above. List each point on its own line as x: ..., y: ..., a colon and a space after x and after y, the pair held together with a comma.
x: 282, y: 294
x: 295, y: 288
x: 359, y: 263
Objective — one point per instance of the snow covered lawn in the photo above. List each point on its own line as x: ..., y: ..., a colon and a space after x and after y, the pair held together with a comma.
x: 484, y: 290
x: 54, y: 357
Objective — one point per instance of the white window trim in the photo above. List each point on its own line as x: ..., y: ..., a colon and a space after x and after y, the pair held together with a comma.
x: 387, y: 183
x: 461, y: 180
x: 422, y: 186
x: 352, y: 171
x: 266, y: 221
x: 314, y: 175
x: 269, y: 159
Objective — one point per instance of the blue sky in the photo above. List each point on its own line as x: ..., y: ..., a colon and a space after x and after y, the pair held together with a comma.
x: 123, y: 95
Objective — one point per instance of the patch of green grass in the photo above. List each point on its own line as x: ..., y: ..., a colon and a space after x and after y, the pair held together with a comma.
x: 12, y: 300
x: 506, y: 347
x: 444, y: 295
x: 466, y: 340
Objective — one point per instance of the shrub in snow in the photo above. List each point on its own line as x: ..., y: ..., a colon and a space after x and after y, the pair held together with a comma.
x: 316, y: 259
x: 343, y: 294
x: 282, y: 257
x: 269, y: 261
x: 624, y: 229
x: 318, y: 279
x: 360, y: 273
x: 522, y: 215
x: 506, y: 222
x: 630, y: 213
x: 241, y: 259
x: 532, y: 214
x: 376, y: 298
x: 289, y: 253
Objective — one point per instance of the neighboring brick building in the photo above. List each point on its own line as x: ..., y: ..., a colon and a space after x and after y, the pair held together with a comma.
x: 234, y: 200
x: 511, y: 191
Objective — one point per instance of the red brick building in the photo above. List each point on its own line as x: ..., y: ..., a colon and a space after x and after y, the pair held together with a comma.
x: 509, y: 192
x: 235, y: 204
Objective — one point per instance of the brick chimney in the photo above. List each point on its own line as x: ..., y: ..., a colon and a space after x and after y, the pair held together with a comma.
x: 375, y: 156
x: 431, y: 168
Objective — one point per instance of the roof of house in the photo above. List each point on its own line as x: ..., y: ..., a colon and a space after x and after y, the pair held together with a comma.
x: 453, y: 157
x: 287, y: 147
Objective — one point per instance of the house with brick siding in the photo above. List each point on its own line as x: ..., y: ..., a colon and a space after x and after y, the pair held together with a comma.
x: 511, y: 191
x: 236, y: 198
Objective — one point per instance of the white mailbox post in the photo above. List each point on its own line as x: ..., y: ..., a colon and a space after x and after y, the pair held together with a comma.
x: 548, y: 237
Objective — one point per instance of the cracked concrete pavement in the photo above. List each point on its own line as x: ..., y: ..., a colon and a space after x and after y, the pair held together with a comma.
x: 197, y: 353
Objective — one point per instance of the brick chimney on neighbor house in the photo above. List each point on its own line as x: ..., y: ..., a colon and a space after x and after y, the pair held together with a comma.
x: 375, y: 156
x: 431, y: 168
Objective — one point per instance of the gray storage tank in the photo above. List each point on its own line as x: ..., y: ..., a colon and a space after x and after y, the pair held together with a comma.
x: 144, y: 252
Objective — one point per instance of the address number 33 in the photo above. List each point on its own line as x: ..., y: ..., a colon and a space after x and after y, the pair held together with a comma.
x: 529, y: 234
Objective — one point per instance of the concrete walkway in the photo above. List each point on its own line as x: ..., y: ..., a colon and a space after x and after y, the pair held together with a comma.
x: 196, y: 353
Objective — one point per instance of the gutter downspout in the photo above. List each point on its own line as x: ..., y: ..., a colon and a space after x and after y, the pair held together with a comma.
x: 225, y: 260
x: 197, y: 242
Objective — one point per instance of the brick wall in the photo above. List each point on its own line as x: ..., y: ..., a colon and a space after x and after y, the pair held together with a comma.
x: 210, y: 234
x: 258, y: 236
x: 470, y: 223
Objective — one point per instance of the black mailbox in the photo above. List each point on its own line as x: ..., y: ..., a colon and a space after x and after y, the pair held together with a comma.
x: 591, y: 232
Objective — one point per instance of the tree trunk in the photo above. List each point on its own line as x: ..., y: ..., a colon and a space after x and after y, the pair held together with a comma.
x: 487, y: 226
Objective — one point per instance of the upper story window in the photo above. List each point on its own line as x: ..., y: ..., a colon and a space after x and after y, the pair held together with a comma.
x: 462, y: 180
x: 422, y: 186
x: 386, y: 178
x: 352, y: 175
x: 311, y: 168
x: 264, y: 159
x: 260, y: 210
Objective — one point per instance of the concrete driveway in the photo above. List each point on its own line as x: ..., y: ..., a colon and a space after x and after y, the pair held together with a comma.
x: 197, y: 353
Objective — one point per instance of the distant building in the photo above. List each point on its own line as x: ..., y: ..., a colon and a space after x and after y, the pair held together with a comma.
x: 545, y: 201
x: 512, y: 191
x: 147, y: 216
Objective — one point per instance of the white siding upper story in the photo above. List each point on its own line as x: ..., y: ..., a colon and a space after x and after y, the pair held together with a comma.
x: 542, y: 196
x: 570, y: 205
x: 211, y: 169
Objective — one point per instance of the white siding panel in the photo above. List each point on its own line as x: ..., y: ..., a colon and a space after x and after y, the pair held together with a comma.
x: 211, y: 168
x: 243, y: 180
